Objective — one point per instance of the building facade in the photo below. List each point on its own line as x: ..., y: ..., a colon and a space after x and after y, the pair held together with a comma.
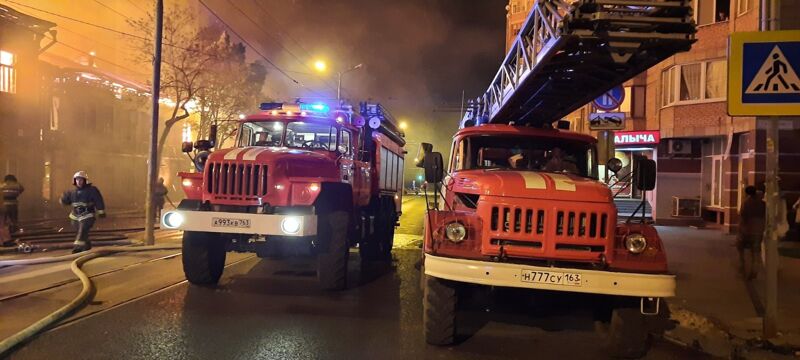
x: 60, y: 115
x: 705, y: 157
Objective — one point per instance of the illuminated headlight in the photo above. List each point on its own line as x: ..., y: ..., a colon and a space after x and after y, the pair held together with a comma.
x: 635, y: 243
x: 455, y: 232
x: 186, y: 182
x: 291, y: 225
x: 173, y: 220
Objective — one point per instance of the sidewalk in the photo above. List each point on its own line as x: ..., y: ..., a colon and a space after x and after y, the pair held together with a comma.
x: 716, y: 309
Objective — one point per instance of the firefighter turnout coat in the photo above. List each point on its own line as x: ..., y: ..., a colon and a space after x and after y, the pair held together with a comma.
x: 85, y: 201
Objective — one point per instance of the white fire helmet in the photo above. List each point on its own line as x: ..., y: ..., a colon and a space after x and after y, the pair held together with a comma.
x: 80, y: 174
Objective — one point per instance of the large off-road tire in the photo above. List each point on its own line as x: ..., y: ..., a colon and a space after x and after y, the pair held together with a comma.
x: 439, y: 310
x: 628, y: 334
x: 333, y: 230
x: 378, y: 246
x: 203, y: 257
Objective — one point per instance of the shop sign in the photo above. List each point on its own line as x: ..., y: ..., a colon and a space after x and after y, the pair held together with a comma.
x: 636, y: 138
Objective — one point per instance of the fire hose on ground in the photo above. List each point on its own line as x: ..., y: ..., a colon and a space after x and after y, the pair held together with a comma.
x: 78, y: 260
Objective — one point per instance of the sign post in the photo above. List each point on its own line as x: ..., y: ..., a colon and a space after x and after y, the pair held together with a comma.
x: 763, y: 81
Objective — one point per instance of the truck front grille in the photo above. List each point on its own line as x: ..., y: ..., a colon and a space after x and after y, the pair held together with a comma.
x: 550, y: 232
x: 234, y: 179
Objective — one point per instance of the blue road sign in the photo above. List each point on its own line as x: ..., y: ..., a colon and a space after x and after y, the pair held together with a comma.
x: 763, y: 73
x: 611, y: 100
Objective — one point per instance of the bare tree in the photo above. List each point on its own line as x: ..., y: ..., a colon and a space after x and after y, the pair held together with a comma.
x: 185, y: 60
x: 231, y: 87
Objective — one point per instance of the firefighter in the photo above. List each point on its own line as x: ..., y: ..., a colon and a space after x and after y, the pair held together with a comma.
x: 159, y: 194
x: 11, y: 191
x: 86, y: 202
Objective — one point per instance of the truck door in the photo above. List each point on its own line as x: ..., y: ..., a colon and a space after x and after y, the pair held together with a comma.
x: 361, y: 178
x: 348, y: 170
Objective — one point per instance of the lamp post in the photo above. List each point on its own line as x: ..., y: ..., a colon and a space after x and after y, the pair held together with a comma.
x: 339, y: 88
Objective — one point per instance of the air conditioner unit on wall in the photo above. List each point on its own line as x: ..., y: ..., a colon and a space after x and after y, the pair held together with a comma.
x: 680, y: 146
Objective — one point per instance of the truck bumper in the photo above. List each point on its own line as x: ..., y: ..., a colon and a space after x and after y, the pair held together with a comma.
x: 240, y: 223
x: 550, y: 278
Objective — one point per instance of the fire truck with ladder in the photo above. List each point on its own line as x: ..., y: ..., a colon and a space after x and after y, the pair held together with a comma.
x: 523, y: 204
x: 302, y: 179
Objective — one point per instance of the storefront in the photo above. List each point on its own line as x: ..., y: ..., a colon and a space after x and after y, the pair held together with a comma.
x: 631, y: 145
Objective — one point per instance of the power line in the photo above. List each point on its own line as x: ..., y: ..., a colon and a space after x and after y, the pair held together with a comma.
x: 277, y: 41
x: 112, y: 9
x: 137, y: 6
x: 93, y: 24
x: 202, y: 2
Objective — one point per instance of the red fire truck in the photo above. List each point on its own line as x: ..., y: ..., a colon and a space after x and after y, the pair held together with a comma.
x: 523, y: 207
x: 302, y: 179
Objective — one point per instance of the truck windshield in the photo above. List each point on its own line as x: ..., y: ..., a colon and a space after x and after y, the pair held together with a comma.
x: 308, y: 135
x: 526, y: 153
x: 261, y: 133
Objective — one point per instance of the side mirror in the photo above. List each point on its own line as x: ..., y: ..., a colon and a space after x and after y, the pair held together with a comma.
x: 434, y: 168
x: 645, y: 176
x: 422, y: 152
x: 187, y: 146
x: 212, y: 135
x: 614, y: 165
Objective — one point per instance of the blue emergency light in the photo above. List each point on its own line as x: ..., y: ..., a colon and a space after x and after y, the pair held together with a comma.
x: 315, y: 107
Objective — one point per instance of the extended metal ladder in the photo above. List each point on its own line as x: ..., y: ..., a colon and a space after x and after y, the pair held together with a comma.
x: 570, y: 52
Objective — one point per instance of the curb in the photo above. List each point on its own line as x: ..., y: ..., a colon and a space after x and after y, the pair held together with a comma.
x: 698, y: 332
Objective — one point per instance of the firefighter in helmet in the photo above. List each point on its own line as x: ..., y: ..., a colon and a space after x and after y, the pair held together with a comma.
x: 86, y: 202
x: 11, y: 191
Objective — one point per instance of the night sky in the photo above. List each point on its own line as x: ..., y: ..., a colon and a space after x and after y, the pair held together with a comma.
x: 418, y: 54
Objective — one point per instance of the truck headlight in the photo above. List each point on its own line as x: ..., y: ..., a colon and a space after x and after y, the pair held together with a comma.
x: 291, y: 225
x: 455, y: 232
x: 173, y: 220
x: 635, y: 243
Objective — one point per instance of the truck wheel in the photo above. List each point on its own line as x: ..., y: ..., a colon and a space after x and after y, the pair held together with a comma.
x: 439, y: 310
x: 203, y: 257
x: 332, y: 264
x: 628, y: 335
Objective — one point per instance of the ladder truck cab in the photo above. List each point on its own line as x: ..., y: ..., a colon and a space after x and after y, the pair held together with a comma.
x: 301, y: 180
x: 522, y: 207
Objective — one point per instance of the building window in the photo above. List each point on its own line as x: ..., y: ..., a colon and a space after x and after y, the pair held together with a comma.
x: 8, y: 74
x: 692, y: 83
x: 716, y: 78
x: 744, y: 6
x: 711, y: 11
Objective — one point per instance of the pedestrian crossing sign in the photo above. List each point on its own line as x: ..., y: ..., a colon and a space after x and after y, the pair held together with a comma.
x: 763, y: 69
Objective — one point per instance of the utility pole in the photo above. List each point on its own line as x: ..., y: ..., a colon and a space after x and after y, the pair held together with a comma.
x: 152, y: 169
x: 770, y: 10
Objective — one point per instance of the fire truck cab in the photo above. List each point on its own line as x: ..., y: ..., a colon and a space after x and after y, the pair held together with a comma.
x: 522, y: 207
x: 302, y: 179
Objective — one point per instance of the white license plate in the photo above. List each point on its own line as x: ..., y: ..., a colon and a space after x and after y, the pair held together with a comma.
x: 551, y: 277
x: 230, y: 223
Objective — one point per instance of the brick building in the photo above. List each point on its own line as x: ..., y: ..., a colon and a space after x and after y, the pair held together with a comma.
x: 705, y: 157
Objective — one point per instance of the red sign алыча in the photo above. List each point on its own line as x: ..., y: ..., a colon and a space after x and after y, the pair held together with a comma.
x: 636, y: 137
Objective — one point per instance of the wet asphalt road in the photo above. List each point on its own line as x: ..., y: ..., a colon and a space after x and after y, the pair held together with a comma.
x: 273, y: 310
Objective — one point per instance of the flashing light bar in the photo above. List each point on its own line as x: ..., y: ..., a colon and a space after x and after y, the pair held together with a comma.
x: 319, y: 107
x: 271, y: 106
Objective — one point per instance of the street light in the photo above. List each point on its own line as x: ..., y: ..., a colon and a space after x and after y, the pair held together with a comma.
x: 403, y: 125
x: 320, y: 65
x: 339, y: 88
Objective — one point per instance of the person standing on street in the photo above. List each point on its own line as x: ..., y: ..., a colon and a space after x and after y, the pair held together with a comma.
x: 752, y: 218
x: 12, y: 189
x: 86, y: 202
x: 159, y: 194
